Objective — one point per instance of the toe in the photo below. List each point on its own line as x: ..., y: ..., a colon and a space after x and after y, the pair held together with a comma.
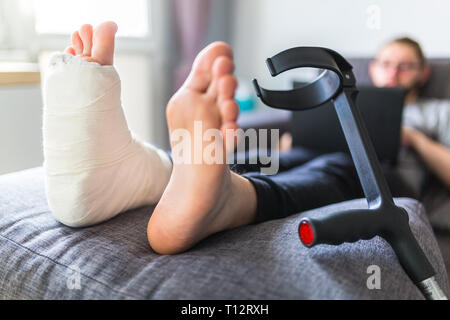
x: 229, y: 111
x: 227, y: 85
x: 231, y: 126
x: 70, y: 50
x: 205, y: 59
x: 103, y: 43
x: 223, y: 67
x: 86, y: 33
x: 77, y: 43
x: 201, y: 74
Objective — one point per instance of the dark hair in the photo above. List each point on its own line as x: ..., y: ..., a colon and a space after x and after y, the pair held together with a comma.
x: 413, y: 44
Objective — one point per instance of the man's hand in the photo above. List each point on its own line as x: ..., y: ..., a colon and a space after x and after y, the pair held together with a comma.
x: 411, y: 137
x: 435, y: 155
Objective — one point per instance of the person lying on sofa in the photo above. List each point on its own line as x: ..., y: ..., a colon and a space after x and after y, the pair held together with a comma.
x: 95, y: 168
x: 426, y: 130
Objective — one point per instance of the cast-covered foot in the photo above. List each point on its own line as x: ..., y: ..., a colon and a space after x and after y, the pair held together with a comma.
x: 95, y: 167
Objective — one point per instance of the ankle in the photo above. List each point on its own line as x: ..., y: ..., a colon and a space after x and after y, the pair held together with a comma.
x: 245, y: 199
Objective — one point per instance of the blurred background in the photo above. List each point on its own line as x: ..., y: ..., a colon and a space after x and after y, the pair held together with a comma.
x: 158, y: 40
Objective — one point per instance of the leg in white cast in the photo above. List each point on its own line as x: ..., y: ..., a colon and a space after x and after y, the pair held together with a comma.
x: 94, y: 166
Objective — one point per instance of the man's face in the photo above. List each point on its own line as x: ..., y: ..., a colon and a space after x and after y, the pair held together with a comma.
x: 397, y: 65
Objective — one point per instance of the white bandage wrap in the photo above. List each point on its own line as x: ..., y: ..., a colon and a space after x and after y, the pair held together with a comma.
x: 94, y: 166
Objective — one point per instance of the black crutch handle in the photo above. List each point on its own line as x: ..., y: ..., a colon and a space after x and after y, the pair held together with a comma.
x: 363, y: 224
x: 338, y: 227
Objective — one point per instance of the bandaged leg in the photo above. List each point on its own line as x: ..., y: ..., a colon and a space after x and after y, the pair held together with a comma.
x: 94, y: 166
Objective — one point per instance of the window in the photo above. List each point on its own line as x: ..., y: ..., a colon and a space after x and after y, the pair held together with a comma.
x: 64, y: 16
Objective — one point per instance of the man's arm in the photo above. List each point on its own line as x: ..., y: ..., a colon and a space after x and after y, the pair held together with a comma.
x: 435, y: 155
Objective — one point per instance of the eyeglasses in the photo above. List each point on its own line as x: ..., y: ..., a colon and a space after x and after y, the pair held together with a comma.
x: 401, y: 67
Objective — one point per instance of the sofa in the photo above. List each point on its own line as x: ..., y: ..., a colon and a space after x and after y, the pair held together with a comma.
x: 41, y: 258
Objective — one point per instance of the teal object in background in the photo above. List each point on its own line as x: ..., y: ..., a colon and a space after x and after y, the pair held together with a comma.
x: 245, y: 96
x: 246, y: 104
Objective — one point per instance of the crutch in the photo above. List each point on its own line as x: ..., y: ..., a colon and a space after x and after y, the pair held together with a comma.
x: 383, y: 218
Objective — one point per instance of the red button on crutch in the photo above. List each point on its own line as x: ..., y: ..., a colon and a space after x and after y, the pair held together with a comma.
x: 306, y: 233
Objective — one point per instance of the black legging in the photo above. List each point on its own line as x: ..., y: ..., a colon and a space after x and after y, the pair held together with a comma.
x: 307, y: 180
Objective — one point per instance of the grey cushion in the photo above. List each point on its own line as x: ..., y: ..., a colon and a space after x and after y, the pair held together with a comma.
x: 264, y: 261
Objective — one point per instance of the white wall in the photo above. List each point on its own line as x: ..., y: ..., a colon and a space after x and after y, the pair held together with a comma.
x: 20, y: 127
x: 262, y: 28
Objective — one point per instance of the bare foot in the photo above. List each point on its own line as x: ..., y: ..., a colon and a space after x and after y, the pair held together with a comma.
x: 202, y: 199
x: 94, y: 45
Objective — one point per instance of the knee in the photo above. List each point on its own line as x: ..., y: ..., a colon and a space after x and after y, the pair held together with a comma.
x: 337, y: 157
x: 338, y: 160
